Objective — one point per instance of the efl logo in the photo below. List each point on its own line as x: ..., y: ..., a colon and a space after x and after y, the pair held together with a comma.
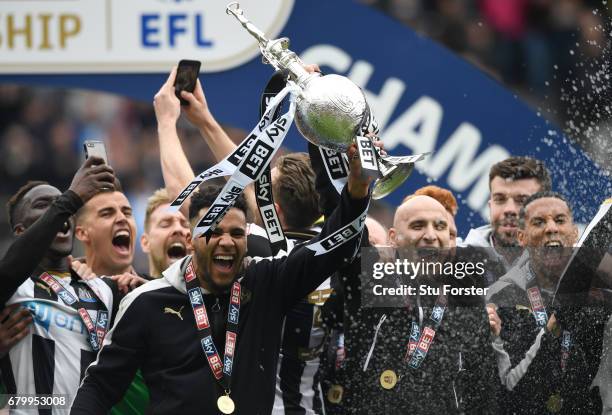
x: 195, y: 296
x: 256, y: 160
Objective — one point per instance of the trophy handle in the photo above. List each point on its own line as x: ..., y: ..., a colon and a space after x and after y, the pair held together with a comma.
x: 234, y: 9
x: 275, y: 52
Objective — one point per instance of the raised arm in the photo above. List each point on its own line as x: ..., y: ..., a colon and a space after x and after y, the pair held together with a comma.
x: 308, y: 265
x: 176, y: 169
x: 30, y: 246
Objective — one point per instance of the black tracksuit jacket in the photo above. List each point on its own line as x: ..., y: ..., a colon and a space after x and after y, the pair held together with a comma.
x: 167, y: 349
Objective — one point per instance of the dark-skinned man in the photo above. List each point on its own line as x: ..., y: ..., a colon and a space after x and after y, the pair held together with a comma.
x: 181, y: 362
x: 545, y: 364
x: 70, y: 315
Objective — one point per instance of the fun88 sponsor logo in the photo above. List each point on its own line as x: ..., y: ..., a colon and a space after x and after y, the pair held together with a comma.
x: 195, y: 296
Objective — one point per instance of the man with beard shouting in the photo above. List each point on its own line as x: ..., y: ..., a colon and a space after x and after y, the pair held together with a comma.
x: 207, y: 334
x: 542, y: 365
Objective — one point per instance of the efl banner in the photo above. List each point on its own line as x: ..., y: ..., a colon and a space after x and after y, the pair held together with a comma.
x: 425, y: 98
x: 69, y: 36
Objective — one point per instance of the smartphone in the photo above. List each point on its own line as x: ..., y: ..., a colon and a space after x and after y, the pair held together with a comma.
x: 186, y: 77
x: 95, y: 148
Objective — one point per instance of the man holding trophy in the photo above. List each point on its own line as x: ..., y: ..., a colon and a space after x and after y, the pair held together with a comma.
x: 227, y: 363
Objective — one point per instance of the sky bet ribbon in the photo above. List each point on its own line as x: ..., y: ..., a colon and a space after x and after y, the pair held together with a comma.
x: 419, y: 343
x: 341, y: 236
x: 252, y: 165
x: 95, y: 331
x: 228, y: 165
x: 221, y: 369
x: 263, y: 186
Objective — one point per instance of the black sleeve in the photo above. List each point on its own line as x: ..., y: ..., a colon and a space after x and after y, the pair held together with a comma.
x: 302, y: 271
x: 29, y: 248
x: 108, y: 378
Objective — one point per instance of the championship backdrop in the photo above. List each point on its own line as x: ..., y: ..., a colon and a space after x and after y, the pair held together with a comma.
x: 424, y: 97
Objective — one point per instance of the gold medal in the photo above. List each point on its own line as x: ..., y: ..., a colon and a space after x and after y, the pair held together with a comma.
x: 226, y: 404
x: 554, y: 403
x: 388, y: 379
x: 334, y: 394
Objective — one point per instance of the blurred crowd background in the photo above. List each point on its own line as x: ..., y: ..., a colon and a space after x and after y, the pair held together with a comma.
x: 555, y: 55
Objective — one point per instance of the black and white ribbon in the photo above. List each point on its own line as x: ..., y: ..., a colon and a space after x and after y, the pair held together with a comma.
x: 341, y: 236
x: 252, y: 164
x: 263, y: 186
x: 228, y: 165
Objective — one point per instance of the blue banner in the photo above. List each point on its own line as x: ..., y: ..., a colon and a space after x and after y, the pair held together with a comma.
x: 425, y: 98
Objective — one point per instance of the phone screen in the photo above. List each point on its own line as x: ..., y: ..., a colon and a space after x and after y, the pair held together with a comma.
x: 186, y: 78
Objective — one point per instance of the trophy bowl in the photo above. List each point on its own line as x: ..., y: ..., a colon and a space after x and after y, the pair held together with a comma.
x: 330, y: 111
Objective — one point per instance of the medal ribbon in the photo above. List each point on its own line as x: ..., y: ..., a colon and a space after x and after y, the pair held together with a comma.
x: 541, y: 317
x: 95, y: 331
x: 222, y: 370
x: 419, y: 343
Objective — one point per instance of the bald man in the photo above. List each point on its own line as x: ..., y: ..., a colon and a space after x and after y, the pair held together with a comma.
x: 421, y: 221
x: 458, y: 372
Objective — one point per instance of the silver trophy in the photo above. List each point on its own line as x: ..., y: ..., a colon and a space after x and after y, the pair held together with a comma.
x: 330, y: 110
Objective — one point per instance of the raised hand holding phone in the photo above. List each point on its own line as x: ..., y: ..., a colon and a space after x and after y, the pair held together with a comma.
x: 95, y: 148
x: 186, y: 78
